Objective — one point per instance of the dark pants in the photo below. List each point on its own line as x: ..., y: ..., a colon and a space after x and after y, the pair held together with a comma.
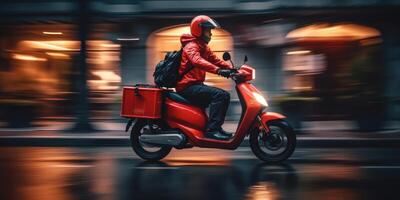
x: 203, y: 95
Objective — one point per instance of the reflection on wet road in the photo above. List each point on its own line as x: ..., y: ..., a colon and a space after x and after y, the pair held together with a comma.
x: 116, y: 173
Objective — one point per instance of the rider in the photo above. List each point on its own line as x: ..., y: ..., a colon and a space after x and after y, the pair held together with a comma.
x: 198, y: 55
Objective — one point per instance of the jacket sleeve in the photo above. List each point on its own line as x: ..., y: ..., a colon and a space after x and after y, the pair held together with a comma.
x: 216, y: 61
x: 193, y: 54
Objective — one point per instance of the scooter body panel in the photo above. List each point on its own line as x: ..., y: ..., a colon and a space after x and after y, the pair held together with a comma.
x: 192, y: 120
x: 188, y: 118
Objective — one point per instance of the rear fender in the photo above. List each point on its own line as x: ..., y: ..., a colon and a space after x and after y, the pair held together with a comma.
x: 129, y: 124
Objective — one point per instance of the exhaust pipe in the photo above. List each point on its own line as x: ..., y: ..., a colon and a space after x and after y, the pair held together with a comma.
x: 169, y: 138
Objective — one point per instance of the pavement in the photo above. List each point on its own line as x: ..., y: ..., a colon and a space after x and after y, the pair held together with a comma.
x: 315, y: 134
x: 197, y: 174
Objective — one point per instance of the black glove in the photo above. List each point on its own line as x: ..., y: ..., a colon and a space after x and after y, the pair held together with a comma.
x: 224, y: 72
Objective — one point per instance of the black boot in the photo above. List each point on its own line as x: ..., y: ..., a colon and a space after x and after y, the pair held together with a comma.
x: 223, y: 132
x: 217, y: 135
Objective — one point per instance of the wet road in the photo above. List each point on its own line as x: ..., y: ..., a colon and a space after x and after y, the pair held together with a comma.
x: 116, y: 173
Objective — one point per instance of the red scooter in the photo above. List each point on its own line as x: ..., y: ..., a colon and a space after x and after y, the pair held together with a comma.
x: 162, y: 119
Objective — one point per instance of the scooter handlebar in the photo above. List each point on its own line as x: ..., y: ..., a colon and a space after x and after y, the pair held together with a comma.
x: 234, y: 74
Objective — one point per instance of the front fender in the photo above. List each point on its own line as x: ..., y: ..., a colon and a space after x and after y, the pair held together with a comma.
x: 269, y: 116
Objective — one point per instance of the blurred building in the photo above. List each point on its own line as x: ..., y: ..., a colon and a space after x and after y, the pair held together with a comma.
x: 316, y: 59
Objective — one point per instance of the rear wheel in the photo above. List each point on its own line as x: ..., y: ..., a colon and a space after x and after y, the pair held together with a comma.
x: 143, y: 150
x: 275, y: 146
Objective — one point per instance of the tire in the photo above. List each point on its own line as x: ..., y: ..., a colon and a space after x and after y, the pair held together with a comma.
x: 270, y: 148
x: 140, y: 148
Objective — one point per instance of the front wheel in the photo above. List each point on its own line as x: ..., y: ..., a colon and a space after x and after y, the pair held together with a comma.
x: 275, y: 146
x: 145, y: 151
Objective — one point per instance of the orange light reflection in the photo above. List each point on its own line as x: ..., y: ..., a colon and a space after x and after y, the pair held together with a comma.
x: 196, y: 157
x: 339, y: 31
x: 27, y: 57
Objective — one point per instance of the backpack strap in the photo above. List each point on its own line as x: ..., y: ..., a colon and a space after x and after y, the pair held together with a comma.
x: 186, y: 71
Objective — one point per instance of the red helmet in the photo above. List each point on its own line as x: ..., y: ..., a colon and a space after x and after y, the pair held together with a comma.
x: 200, y: 22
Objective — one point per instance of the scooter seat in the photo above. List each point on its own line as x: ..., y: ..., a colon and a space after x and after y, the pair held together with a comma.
x: 176, y: 97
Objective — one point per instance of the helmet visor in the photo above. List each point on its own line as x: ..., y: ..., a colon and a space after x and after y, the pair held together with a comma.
x: 210, y: 23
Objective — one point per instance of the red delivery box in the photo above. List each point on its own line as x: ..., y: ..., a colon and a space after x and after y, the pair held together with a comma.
x: 142, y: 101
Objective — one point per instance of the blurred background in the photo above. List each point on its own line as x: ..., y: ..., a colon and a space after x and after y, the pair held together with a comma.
x: 66, y: 61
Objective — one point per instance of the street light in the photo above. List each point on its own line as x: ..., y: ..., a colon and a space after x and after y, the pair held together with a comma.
x: 52, y: 33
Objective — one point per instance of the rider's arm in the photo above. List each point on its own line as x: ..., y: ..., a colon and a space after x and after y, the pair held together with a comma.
x: 193, y: 54
x: 216, y: 61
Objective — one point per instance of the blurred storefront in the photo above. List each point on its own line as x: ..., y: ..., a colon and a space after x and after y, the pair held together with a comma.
x: 314, y: 60
x: 39, y: 73
x: 335, y: 71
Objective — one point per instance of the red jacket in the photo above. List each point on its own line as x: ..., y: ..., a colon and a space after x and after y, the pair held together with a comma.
x: 197, y: 54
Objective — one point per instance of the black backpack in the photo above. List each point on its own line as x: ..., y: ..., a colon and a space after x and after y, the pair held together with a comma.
x: 166, y: 73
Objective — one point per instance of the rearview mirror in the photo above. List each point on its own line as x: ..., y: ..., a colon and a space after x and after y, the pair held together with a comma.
x: 226, y: 56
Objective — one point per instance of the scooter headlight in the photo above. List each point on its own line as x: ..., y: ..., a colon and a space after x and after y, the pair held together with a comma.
x: 260, y: 99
